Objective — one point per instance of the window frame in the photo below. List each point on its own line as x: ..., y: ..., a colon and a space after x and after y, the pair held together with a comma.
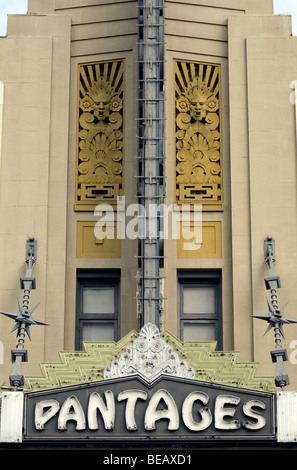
x: 96, y: 278
x: 202, y: 278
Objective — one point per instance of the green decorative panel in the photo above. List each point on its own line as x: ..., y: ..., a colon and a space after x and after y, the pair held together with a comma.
x: 220, y: 367
x: 200, y: 358
x: 79, y: 366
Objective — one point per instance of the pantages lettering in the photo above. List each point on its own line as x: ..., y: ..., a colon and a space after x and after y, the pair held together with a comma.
x: 186, y: 408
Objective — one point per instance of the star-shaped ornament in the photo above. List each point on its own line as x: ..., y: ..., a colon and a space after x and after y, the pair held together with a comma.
x: 23, y: 317
x: 275, y: 317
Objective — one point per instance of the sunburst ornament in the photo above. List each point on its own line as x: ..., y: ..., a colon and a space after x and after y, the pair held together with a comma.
x: 275, y: 318
x: 23, y: 319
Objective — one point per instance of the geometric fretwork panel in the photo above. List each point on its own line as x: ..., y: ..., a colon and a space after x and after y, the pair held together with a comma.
x: 198, y: 143
x: 99, y: 167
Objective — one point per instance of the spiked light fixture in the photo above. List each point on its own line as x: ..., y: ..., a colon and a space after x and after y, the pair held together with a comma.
x: 23, y: 318
x: 275, y: 317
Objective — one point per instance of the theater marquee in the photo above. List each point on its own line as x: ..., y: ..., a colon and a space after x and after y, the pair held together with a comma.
x: 148, y: 393
x: 170, y: 408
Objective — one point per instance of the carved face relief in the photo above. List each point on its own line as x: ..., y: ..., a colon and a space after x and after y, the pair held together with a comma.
x: 201, y: 104
x: 101, y: 94
x: 149, y: 356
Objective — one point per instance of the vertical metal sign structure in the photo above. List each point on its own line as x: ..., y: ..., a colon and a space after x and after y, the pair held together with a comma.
x: 24, y: 318
x: 151, y: 132
x: 275, y: 317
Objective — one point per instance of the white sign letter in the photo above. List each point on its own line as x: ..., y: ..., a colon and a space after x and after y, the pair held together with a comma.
x: 152, y: 414
x: 71, y: 410
x: 131, y: 396
x: 221, y: 412
x: 260, y: 420
x: 44, y: 411
x: 187, y: 412
x: 107, y: 410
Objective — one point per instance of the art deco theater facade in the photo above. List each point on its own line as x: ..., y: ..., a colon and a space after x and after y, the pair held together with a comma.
x: 148, y: 225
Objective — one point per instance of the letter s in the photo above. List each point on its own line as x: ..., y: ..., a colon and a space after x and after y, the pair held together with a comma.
x: 248, y: 411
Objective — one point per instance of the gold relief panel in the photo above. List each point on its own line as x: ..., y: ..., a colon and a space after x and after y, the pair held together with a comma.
x: 207, y: 244
x: 198, y: 158
x: 99, y: 168
x: 89, y: 246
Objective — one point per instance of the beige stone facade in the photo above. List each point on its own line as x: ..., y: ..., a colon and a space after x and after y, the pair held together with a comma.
x: 39, y: 65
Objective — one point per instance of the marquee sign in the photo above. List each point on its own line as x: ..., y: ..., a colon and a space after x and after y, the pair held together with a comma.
x: 148, y: 393
x: 168, y: 408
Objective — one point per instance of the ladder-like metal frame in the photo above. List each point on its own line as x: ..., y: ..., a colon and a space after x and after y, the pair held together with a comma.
x: 151, y: 137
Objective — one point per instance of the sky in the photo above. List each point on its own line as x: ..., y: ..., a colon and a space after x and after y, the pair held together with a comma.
x: 10, y: 7
x: 286, y: 7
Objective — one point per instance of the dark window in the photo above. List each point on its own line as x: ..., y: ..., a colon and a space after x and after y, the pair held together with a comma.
x: 199, y: 298
x: 98, y: 306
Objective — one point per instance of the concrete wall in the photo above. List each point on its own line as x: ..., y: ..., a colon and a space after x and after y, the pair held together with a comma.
x: 263, y: 173
x: 35, y: 65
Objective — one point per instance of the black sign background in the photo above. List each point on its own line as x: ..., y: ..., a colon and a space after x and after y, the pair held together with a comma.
x: 178, y: 388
